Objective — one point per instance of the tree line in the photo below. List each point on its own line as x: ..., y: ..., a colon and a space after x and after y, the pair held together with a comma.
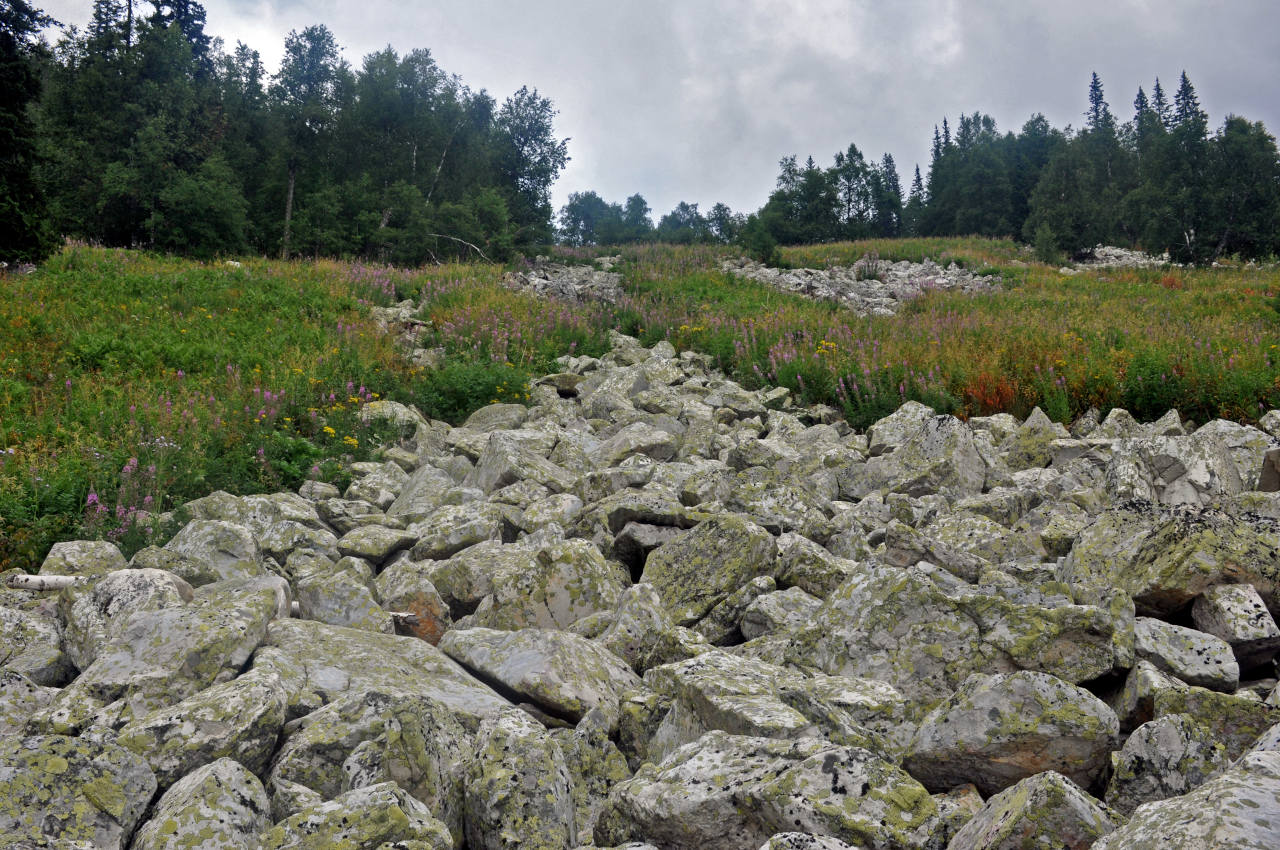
x: 141, y: 130
x: 1160, y: 181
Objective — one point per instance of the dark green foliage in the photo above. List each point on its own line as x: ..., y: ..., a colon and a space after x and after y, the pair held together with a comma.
x: 25, y: 235
x: 152, y: 136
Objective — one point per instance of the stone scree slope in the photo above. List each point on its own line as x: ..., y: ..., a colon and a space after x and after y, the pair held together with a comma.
x: 657, y: 610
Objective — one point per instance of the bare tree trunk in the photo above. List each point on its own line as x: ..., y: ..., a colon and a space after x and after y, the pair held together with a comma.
x: 128, y: 26
x: 288, y: 213
x: 27, y: 582
x: 440, y: 166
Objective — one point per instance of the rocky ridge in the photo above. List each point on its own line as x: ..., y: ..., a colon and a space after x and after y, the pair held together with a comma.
x: 869, y: 287
x: 656, y: 609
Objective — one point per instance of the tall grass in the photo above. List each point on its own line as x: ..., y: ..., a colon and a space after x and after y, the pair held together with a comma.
x: 130, y: 383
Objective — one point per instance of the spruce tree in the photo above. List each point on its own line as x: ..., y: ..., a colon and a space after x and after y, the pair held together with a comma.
x: 25, y: 235
x: 1160, y: 105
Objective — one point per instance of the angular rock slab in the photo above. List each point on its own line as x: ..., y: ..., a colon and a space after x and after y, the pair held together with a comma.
x: 93, y: 615
x: 240, y: 719
x: 319, y: 663
x: 1191, y: 655
x: 1045, y: 810
x: 1237, y: 614
x: 82, y: 558
x: 997, y: 730
x: 553, y: 587
x: 726, y: 792
x: 370, y: 737
x: 1237, y: 810
x: 1164, y: 559
x: 518, y: 788
x: 1161, y: 759
x: 31, y: 646
x: 560, y: 672
x: 70, y: 789
x: 163, y: 656
x: 221, y: 806
x: 19, y: 699
x: 380, y: 815
x: 695, y: 572
x: 230, y: 550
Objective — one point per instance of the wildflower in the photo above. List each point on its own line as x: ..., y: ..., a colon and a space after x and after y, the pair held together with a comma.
x: 329, y: 432
x: 351, y: 441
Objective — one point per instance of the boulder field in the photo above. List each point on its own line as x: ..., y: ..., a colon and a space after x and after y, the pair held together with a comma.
x: 654, y: 609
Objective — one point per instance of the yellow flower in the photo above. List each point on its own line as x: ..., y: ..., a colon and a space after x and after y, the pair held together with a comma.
x: 351, y: 441
x: 329, y: 432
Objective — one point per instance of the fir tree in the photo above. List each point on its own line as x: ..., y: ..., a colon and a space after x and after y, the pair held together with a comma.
x: 24, y: 227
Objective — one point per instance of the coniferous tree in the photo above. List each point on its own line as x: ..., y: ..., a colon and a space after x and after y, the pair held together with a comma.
x: 914, y: 207
x: 1160, y: 104
x: 25, y: 235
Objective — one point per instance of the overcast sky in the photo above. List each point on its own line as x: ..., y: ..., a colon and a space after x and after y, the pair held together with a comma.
x: 697, y: 100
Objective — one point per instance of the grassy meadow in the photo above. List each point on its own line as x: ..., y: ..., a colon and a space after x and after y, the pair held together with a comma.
x: 130, y: 383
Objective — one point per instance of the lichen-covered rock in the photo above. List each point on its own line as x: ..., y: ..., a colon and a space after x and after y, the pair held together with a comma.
x: 221, y: 806
x: 452, y: 528
x: 595, y: 765
x: 894, y: 430
x: 1165, y: 560
x: 997, y: 730
x: 1161, y: 759
x: 30, y: 645
x: 562, y: 673
x: 695, y: 572
x: 506, y: 460
x: 1046, y: 810
x: 518, y: 788
x: 59, y: 789
x: 93, y: 614
x: 406, y: 586
x: 721, y: 625
x: 374, y: 543
x: 82, y: 558
x: 330, y: 594
x: 1235, y: 810
x: 319, y: 663
x: 229, y: 549
x: 368, y: 818
x: 381, y: 484
x: 805, y: 565
x: 642, y: 633
x: 940, y: 458
x: 193, y: 572
x: 1189, y: 654
x: 163, y: 656
x: 636, y: 438
x: 552, y: 587
x: 373, y: 736
x: 19, y: 699
x: 725, y: 792
x: 781, y: 610
x: 1236, y: 613
x: 240, y: 719
x: 804, y: 841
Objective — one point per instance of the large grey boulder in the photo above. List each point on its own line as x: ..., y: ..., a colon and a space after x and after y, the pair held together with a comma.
x: 82, y: 558
x: 319, y: 663
x: 59, y: 789
x: 518, y: 788
x: 1236, y: 810
x: 997, y: 730
x: 725, y: 792
x: 221, y: 806
x: 1237, y: 614
x: 940, y: 458
x: 1164, y: 758
x: 240, y: 719
x: 695, y: 572
x: 229, y: 549
x: 31, y: 646
x: 550, y: 586
x: 372, y: 736
x: 1189, y: 654
x: 368, y: 818
x: 1164, y: 560
x: 95, y: 613
x: 642, y: 633
x: 900, y: 627
x: 559, y: 672
x: 161, y: 657
x: 19, y: 699
x: 340, y: 594
x: 1044, y: 810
